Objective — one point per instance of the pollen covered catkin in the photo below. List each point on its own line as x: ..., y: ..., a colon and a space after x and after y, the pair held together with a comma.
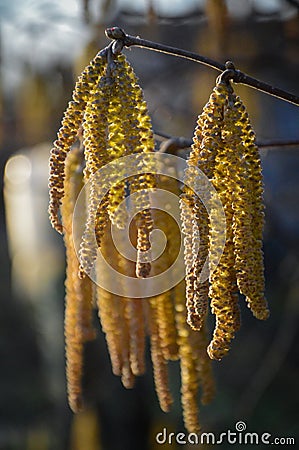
x: 111, y: 310
x: 108, y: 113
x: 67, y: 135
x: 164, y: 301
x: 139, y: 130
x: 224, y: 304
x: 158, y: 360
x: 95, y: 125
x: 224, y: 150
x: 207, y: 138
x: 249, y: 253
x: 196, y: 370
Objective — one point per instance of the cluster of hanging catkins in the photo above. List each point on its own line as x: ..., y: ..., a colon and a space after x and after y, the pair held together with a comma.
x: 224, y: 150
x: 108, y: 117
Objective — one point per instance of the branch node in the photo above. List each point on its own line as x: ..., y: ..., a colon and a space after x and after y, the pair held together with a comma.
x: 230, y: 65
x: 115, y: 33
x: 230, y: 74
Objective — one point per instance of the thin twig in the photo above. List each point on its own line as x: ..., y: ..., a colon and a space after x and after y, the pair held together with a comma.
x: 239, y: 77
x: 173, y: 143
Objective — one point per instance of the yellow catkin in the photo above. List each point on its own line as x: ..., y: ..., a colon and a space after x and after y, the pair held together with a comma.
x: 127, y: 375
x: 95, y: 227
x: 131, y: 133
x: 134, y: 313
x: 117, y: 146
x: 110, y: 132
x: 199, y: 342
x: 195, y: 220
x: 186, y: 205
x: 78, y: 303
x: 192, y: 361
x: 161, y: 326
x: 140, y: 140
x: 196, y: 368
x: 166, y: 325
x: 95, y: 126
x: 144, y: 227
x: 111, y: 309
x: 105, y: 141
x: 160, y: 370
x: 248, y: 213
x: 223, y: 289
x: 85, y: 330
x: 165, y: 303
x: 67, y: 134
x: 189, y: 379
x: 106, y: 303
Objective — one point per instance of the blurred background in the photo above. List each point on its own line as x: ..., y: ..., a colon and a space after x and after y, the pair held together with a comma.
x: 43, y: 47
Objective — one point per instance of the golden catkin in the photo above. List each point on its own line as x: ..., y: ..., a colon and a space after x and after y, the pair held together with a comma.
x: 95, y: 127
x: 134, y: 312
x: 189, y: 376
x: 164, y: 301
x: 118, y: 146
x: 144, y: 223
x: 140, y: 136
x: 78, y: 298
x: 95, y: 124
x: 166, y: 325
x: 85, y: 330
x: 159, y: 362
x: 186, y: 205
x: 249, y: 215
x: 67, y: 134
x: 167, y: 224
x: 109, y: 111
x: 95, y: 227
x: 195, y: 363
x: 206, y: 140
x: 196, y: 369
x: 131, y: 133
x: 202, y: 361
x: 111, y: 308
x: 107, y: 310
x: 223, y: 289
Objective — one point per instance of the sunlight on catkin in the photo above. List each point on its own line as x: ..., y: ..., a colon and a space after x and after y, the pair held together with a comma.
x: 78, y: 297
x: 224, y: 150
x: 106, y: 121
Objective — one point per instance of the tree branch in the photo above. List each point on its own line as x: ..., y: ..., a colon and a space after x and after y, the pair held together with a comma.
x: 125, y: 40
x: 171, y: 144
